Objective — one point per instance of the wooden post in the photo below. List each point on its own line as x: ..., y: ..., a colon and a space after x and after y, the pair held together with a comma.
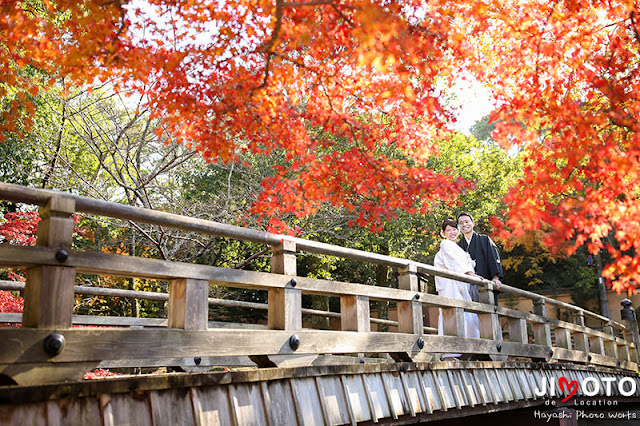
x: 610, y: 346
x: 563, y: 338
x: 453, y: 322
x: 518, y: 330
x: 48, y: 294
x: 541, y: 332
x: 628, y: 316
x: 408, y: 278
x: 410, y: 317
x: 355, y: 315
x: 490, y: 327
x: 188, y: 304
x: 285, y: 304
x: 581, y: 340
x: 596, y: 345
x: 409, y: 312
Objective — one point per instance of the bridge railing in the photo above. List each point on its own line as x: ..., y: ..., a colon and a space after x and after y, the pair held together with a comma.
x: 47, y: 349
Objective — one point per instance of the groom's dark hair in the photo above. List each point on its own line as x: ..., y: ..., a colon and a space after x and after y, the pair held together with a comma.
x: 465, y: 214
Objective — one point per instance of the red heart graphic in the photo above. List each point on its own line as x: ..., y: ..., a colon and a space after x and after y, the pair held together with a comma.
x: 571, y: 385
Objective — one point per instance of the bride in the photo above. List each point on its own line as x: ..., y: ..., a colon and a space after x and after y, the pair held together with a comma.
x: 453, y: 258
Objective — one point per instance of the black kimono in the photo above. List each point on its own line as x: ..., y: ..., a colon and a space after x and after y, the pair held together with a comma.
x: 487, y: 258
x: 485, y: 253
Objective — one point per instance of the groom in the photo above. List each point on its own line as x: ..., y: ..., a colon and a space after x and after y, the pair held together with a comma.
x: 482, y: 250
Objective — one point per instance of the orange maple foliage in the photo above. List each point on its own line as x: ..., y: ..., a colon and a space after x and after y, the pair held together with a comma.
x: 261, y: 75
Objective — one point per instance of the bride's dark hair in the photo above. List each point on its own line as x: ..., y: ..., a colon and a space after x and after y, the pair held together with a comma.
x: 449, y: 222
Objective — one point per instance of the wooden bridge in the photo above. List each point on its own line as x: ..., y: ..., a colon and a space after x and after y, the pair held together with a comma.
x: 299, y: 375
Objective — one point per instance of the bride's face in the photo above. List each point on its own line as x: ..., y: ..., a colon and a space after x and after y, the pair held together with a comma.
x: 451, y: 233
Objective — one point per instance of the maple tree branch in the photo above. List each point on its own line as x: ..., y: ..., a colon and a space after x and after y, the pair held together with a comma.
x: 267, y: 47
x: 250, y: 258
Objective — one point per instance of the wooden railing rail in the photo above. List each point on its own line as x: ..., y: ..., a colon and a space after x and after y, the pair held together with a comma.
x: 164, y: 297
x: 49, y: 344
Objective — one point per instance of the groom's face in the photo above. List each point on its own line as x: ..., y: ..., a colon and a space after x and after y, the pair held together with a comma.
x: 466, y: 224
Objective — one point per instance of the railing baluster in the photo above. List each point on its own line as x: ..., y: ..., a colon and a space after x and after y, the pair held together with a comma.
x: 285, y: 304
x: 355, y: 315
x: 453, y: 322
x: 48, y: 295
x: 563, y: 338
x: 541, y: 332
x: 610, y: 346
x: 188, y: 304
x: 518, y: 330
x: 409, y: 312
x: 490, y: 327
x: 581, y: 340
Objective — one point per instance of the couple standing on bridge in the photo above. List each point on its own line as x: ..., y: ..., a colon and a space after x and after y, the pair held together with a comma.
x: 474, y: 254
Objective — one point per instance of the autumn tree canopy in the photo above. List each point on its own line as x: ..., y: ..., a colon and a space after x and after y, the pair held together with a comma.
x: 355, y: 94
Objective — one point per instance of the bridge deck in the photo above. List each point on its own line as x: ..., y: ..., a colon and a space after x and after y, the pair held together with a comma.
x: 327, y: 395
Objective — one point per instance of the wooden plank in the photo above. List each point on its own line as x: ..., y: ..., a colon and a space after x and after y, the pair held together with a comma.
x: 378, y: 394
x: 414, y: 391
x: 456, y: 392
x: 171, y: 406
x: 436, y: 396
x: 493, y: 387
x: 333, y: 400
x: 490, y: 327
x: 374, y: 403
x: 392, y: 398
x: 359, y: 400
x: 408, y: 397
x: 48, y: 295
x: 188, y: 307
x: 129, y: 266
x: 610, y: 345
x: 72, y: 411
x: 247, y: 404
x: 281, y: 407
x: 307, y: 401
x: 442, y: 381
x: 214, y: 406
x: 347, y: 400
x: 427, y: 396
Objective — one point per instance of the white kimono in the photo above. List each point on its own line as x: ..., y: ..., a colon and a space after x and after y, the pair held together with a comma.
x: 452, y: 258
